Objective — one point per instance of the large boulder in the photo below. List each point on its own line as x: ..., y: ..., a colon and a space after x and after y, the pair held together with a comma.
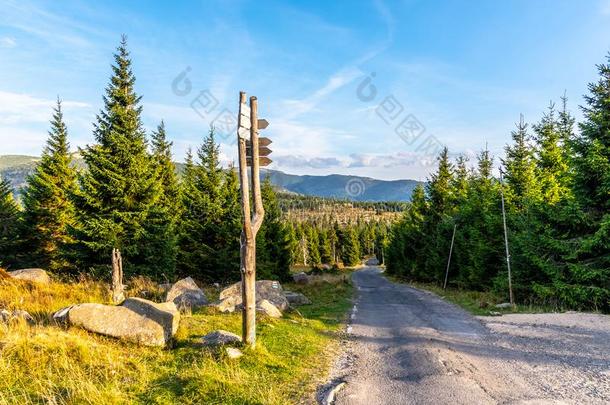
x: 149, y: 309
x: 265, y: 290
x: 267, y: 308
x: 137, y: 320
x: 186, y: 294
x: 219, y: 338
x: 35, y: 275
x: 295, y: 298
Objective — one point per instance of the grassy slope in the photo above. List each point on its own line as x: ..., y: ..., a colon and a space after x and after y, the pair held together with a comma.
x: 48, y: 364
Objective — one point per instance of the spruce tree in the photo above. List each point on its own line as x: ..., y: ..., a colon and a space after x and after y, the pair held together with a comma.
x: 273, y: 251
x: 313, y: 246
x: 119, y: 189
x: 437, y: 228
x: 552, y: 167
x: 48, y: 207
x: 166, y: 172
x: 587, y: 279
x: 211, y: 224
x: 520, y: 168
x: 350, y: 248
x: 9, y: 231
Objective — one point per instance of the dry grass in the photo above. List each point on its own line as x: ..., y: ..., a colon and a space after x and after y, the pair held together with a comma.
x: 40, y: 300
x: 45, y: 363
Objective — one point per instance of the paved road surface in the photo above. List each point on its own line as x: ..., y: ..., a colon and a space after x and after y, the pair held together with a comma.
x: 411, y: 347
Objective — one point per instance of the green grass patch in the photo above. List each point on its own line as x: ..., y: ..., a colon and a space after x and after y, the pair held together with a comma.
x: 48, y: 364
x: 477, y: 302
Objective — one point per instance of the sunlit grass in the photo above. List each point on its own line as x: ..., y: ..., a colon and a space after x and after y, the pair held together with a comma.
x: 46, y: 363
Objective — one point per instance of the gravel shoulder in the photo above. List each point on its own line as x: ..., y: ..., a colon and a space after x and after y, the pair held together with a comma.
x: 408, y: 346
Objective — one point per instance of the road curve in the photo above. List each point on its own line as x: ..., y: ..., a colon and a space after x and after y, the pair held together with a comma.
x: 411, y: 347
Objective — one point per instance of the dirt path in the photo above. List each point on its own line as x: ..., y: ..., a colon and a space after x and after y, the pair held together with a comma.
x: 408, y: 346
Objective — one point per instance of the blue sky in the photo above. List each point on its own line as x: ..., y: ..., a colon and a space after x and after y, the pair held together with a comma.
x: 457, y: 73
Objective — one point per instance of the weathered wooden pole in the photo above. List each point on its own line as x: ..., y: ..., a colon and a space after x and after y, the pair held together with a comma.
x: 118, y: 295
x: 449, y: 260
x: 510, y: 281
x: 251, y: 224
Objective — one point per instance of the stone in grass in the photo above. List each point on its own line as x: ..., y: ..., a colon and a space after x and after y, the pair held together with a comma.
x: 61, y: 316
x: 137, y: 320
x: 233, y: 353
x: 34, y: 275
x: 503, y: 305
x: 295, y: 298
x: 267, y: 308
x: 8, y: 316
x: 265, y: 290
x: 220, y: 337
x: 300, y: 278
x: 186, y: 295
x: 227, y: 305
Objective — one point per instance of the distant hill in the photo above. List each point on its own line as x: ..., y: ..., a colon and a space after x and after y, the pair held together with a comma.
x: 16, y: 168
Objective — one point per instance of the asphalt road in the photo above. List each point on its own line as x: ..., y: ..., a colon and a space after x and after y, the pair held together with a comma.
x: 409, y: 346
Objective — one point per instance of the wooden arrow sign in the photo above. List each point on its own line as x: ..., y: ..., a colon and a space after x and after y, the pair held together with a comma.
x: 261, y: 142
x: 263, y: 161
x: 262, y: 151
x: 262, y: 123
x: 264, y: 141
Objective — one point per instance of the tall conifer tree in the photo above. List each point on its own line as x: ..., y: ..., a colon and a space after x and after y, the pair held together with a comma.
x: 9, y: 232
x: 48, y: 207
x: 120, y: 189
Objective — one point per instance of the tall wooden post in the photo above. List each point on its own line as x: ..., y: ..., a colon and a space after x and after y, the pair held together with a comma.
x: 510, y: 281
x: 117, y: 277
x: 251, y: 225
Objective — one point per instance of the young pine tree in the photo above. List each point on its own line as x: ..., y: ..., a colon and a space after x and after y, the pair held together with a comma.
x: 551, y: 164
x: 48, y: 207
x: 210, y: 226
x: 520, y: 169
x: 9, y: 232
x: 273, y: 250
x: 119, y: 189
x: 350, y: 247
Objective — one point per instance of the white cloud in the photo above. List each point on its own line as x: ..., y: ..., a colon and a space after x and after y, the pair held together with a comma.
x: 16, y: 108
x: 7, y: 42
x: 294, y: 108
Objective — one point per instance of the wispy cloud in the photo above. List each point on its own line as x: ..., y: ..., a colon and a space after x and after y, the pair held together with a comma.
x: 7, y: 42
x: 18, y: 108
x: 294, y: 108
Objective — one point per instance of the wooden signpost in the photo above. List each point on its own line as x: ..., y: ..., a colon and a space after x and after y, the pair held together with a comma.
x: 254, y: 154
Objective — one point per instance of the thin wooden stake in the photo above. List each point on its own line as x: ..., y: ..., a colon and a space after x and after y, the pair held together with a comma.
x: 449, y: 260
x: 118, y: 295
x: 510, y: 281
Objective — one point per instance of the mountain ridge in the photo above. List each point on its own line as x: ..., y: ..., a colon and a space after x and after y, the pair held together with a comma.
x: 16, y: 168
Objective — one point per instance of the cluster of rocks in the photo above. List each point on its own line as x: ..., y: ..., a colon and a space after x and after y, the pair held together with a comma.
x: 155, y: 324
x: 271, y: 299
